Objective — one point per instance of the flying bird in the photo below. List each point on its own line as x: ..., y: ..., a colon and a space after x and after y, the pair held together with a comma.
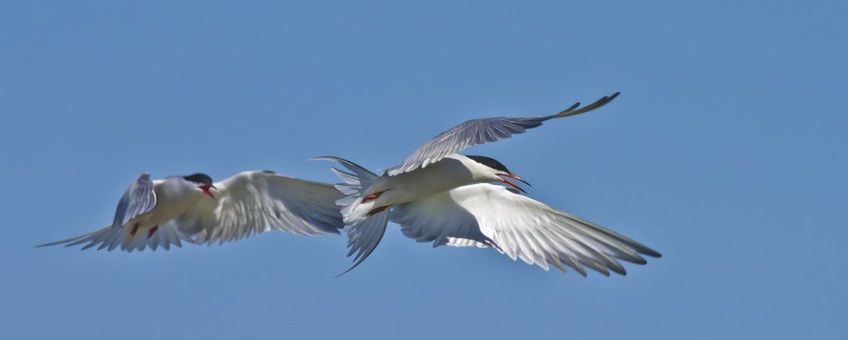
x: 169, y: 211
x: 438, y: 195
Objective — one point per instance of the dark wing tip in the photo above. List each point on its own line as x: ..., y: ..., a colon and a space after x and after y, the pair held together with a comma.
x: 359, y: 259
x: 576, y: 109
x: 650, y: 252
x: 67, y: 242
x: 637, y: 260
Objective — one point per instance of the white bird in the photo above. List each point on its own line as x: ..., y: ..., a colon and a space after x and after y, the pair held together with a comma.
x: 172, y: 210
x: 437, y: 195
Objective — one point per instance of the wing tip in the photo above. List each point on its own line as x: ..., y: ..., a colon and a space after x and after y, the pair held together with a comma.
x: 575, y: 109
x: 328, y: 158
x: 650, y: 252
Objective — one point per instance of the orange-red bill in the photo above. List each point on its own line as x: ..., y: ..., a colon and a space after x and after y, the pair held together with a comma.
x: 514, y: 176
x: 206, y: 191
x: 513, y: 185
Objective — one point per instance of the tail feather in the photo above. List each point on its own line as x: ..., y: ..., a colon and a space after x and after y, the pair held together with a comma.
x: 364, y: 231
x: 354, y: 185
x: 364, y: 237
x: 351, y: 185
x: 92, y: 238
x: 355, y: 181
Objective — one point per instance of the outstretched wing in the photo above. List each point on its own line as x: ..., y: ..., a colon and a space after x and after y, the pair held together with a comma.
x: 520, y: 227
x: 139, y: 199
x: 481, y: 131
x: 112, y: 237
x: 258, y: 201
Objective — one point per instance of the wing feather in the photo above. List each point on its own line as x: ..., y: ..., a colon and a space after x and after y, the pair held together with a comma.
x: 111, y: 237
x: 481, y: 131
x: 139, y: 199
x: 258, y: 201
x: 519, y: 227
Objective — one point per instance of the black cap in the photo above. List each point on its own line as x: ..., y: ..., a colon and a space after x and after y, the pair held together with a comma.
x: 199, y: 178
x: 490, y: 162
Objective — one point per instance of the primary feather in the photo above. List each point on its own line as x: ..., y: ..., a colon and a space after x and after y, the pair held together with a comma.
x: 481, y: 215
x: 481, y: 131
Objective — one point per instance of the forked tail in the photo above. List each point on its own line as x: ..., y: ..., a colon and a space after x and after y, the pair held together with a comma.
x: 364, y: 228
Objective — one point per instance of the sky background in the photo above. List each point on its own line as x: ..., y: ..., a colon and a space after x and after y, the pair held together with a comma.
x: 726, y: 151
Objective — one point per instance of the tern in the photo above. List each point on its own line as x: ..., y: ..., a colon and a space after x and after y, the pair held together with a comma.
x: 438, y: 195
x: 169, y: 211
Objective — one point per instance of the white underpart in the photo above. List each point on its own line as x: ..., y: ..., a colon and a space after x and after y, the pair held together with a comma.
x: 453, y: 171
x: 246, y: 204
x: 520, y: 227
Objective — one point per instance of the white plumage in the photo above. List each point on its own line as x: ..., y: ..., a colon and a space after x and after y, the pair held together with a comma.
x: 440, y: 196
x: 484, y: 215
x: 173, y: 210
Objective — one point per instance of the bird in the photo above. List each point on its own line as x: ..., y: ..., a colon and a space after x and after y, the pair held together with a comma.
x: 166, y: 212
x: 439, y: 195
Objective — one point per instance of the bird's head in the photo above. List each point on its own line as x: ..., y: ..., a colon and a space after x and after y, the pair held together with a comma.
x: 498, y: 172
x: 203, y: 182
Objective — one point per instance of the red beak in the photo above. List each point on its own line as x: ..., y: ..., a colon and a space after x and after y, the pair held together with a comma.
x: 206, y: 188
x: 513, y: 185
x: 514, y: 176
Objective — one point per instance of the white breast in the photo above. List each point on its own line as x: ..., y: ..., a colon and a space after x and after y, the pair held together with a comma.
x: 451, y: 172
x: 175, y: 197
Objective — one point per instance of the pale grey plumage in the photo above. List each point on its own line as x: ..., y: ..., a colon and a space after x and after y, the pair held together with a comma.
x: 363, y: 236
x: 173, y: 210
x: 137, y: 200
x: 446, y: 198
x: 518, y: 226
x: 111, y: 237
x: 424, y: 221
x: 255, y: 202
x: 480, y: 131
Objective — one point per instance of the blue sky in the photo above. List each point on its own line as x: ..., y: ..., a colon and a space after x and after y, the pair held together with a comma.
x: 726, y: 152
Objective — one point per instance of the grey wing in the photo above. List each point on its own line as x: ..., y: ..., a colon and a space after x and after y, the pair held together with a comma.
x: 481, y: 131
x: 139, y: 199
x: 439, y: 219
x: 258, y: 201
x: 485, y: 214
x: 111, y: 238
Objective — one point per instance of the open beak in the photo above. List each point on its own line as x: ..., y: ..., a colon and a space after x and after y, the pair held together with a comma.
x: 513, y: 176
x: 206, y: 190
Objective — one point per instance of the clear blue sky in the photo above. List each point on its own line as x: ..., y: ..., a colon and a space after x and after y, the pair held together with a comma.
x: 726, y: 152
